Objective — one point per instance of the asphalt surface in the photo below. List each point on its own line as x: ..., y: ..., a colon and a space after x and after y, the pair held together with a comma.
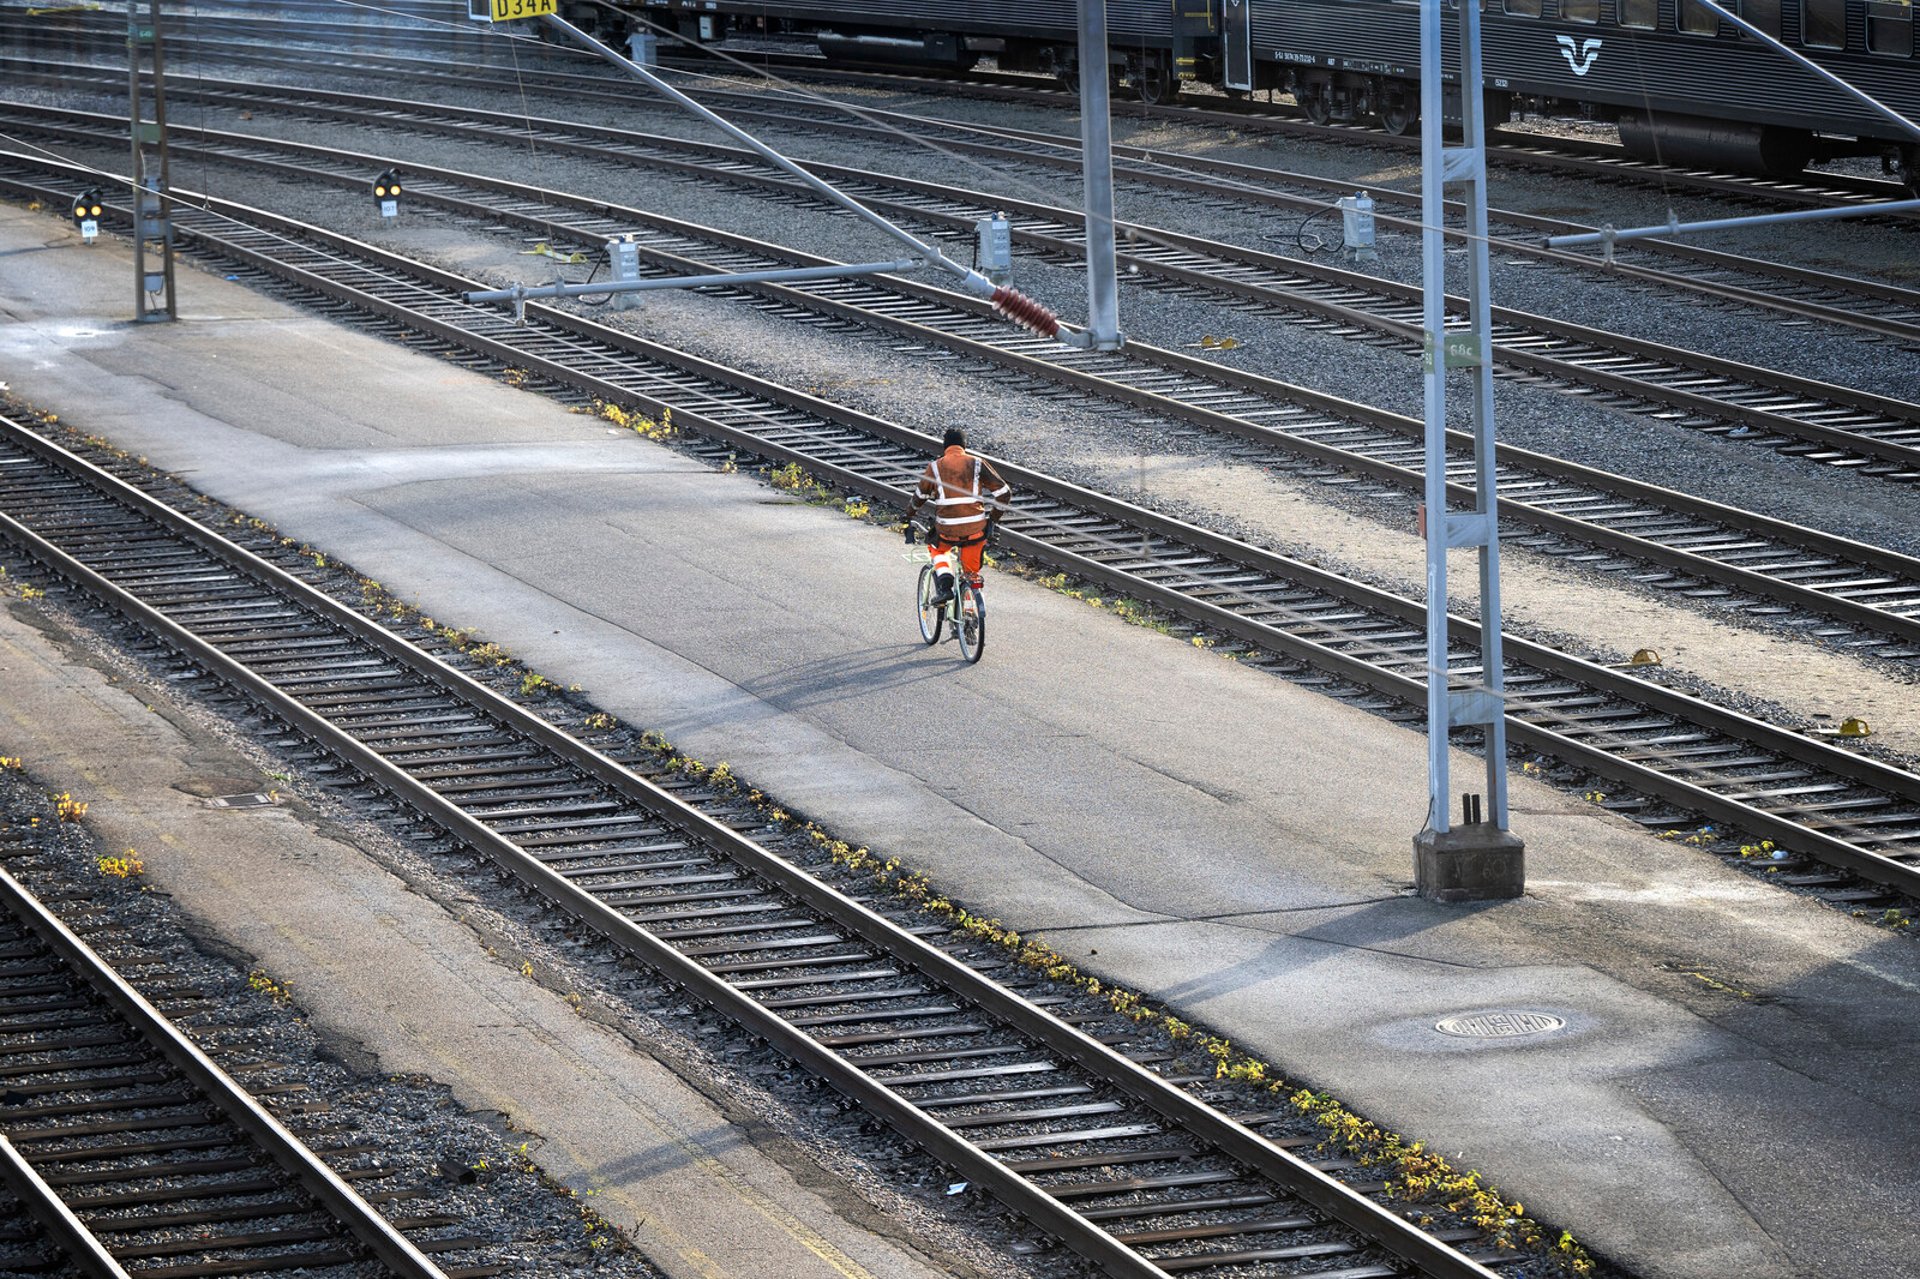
x: 1732, y: 1093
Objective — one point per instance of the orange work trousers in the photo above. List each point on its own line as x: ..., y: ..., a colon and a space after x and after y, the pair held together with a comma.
x: 941, y: 553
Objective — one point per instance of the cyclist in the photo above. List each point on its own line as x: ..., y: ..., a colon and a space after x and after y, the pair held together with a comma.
x: 961, y: 487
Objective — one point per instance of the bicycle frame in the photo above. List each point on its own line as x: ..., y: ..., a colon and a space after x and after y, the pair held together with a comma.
x: 966, y: 624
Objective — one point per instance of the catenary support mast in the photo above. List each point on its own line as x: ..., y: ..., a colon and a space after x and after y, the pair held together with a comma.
x: 1096, y: 150
x: 1479, y: 858
x: 153, y: 297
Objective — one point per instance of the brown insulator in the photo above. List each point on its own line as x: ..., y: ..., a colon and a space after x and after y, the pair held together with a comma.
x: 1025, y: 312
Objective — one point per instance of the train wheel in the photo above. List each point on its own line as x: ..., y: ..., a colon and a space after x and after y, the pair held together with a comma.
x: 1156, y: 85
x: 1399, y: 117
x: 1319, y: 110
x: 1069, y: 78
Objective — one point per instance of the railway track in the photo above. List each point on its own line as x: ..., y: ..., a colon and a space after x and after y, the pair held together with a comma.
x: 1608, y: 162
x: 135, y: 1154
x: 1818, y: 422
x: 1737, y: 558
x: 1678, y: 754
x: 1091, y: 1144
x: 1885, y: 310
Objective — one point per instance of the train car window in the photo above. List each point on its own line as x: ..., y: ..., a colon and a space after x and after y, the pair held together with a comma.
x: 1524, y: 8
x: 1764, y: 14
x: 1698, y: 20
x: 1890, y: 27
x: 1644, y: 14
x: 1580, y: 10
x: 1824, y: 23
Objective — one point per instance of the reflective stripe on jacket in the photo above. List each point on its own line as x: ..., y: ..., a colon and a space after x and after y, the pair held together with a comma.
x: 960, y: 486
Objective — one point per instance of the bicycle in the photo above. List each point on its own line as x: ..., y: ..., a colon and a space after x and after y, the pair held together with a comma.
x: 964, y: 616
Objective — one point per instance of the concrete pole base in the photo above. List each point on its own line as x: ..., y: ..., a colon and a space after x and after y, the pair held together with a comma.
x: 1471, y: 863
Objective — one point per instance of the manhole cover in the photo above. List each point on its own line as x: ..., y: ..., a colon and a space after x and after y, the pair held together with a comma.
x: 1501, y: 1025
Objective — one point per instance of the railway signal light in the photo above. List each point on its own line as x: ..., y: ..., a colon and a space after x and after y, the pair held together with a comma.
x: 386, y: 193
x: 86, y: 215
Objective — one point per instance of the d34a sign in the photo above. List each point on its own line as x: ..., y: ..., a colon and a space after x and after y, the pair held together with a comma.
x: 509, y: 10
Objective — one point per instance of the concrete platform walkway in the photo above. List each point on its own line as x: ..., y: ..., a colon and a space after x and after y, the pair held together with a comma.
x: 1734, y: 1092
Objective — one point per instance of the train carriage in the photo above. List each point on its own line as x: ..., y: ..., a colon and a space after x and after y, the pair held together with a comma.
x: 1155, y: 44
x: 1686, y: 86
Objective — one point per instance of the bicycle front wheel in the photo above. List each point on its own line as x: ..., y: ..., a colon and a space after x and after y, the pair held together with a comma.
x: 932, y: 616
x: 973, y: 623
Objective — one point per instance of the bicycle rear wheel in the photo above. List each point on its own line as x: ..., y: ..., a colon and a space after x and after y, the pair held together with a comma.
x: 973, y: 623
x: 932, y: 618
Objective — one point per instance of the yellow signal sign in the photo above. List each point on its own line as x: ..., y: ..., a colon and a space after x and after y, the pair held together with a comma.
x: 509, y: 10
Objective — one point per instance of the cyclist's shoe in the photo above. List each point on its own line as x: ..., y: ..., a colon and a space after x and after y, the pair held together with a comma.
x: 942, y: 590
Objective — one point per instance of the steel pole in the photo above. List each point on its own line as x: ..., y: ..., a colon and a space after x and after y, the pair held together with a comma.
x: 139, y: 195
x: 166, y: 165
x: 1492, y: 676
x: 1096, y: 160
x: 1479, y: 860
x: 1433, y: 283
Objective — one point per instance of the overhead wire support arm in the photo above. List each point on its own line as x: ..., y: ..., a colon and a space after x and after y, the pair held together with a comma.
x: 1608, y: 236
x: 1009, y: 302
x: 519, y: 294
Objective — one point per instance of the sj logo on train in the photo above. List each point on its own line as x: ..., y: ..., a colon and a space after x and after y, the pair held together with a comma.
x: 507, y: 10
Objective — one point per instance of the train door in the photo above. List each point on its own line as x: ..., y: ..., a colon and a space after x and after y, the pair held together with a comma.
x: 1237, y: 44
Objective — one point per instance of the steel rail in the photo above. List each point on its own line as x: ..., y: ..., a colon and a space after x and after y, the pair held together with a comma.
x: 1608, y: 161
x: 339, y: 1199
x: 1159, y: 168
x: 1250, y: 274
x: 998, y: 348
x: 88, y: 1255
x: 517, y: 346
x: 1378, y: 1225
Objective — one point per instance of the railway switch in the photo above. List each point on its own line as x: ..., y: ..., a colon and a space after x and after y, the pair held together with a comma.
x: 1356, y: 226
x: 386, y: 193
x: 993, y: 257
x: 86, y: 215
x: 623, y: 256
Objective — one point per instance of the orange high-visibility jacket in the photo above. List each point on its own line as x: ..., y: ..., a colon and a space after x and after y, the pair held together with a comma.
x: 960, y: 486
